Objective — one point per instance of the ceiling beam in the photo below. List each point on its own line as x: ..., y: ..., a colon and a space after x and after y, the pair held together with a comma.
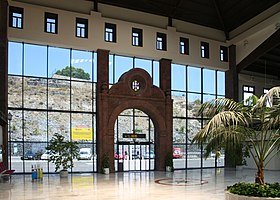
x: 95, y: 5
x: 270, y: 43
x: 175, y: 8
x: 221, y: 18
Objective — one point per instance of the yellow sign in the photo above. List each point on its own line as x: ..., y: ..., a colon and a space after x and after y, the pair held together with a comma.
x: 81, y: 133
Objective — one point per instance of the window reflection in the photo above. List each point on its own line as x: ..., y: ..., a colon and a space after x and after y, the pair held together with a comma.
x: 82, y: 61
x: 209, y: 81
x: 178, y: 77
x: 58, y: 58
x: 35, y: 93
x: 15, y: 61
x: 15, y: 91
x: 156, y: 73
x: 122, y: 65
x: 194, y: 79
x: 81, y: 93
x: 35, y: 60
x: 194, y: 102
x: 144, y: 64
x: 221, y: 83
x: 59, y: 122
x: 35, y: 126
x: 17, y: 124
x: 58, y: 91
x: 179, y: 104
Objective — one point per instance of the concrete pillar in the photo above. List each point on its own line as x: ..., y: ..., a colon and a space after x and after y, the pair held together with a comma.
x: 232, y: 76
x: 231, y: 90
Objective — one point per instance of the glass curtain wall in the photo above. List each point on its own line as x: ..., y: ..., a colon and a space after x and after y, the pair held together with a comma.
x: 50, y: 90
x: 192, y: 86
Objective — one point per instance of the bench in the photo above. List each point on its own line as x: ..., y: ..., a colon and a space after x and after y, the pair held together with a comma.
x: 4, y: 172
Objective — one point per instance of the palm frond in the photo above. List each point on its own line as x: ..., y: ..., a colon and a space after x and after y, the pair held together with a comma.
x: 272, y: 118
x: 270, y: 97
x: 215, y: 106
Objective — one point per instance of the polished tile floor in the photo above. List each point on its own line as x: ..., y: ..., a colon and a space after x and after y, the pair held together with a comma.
x: 191, y: 184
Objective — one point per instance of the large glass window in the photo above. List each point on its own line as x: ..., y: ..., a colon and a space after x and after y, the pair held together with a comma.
x: 51, y: 90
x: 202, y: 85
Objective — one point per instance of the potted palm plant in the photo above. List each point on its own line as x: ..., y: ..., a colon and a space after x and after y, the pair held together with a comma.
x: 106, y: 164
x: 169, y: 162
x: 254, y: 126
x: 62, y: 153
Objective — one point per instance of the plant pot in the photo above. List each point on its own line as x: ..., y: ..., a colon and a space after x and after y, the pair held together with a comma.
x: 230, y: 196
x: 63, y: 174
x: 106, y: 170
x: 168, y: 169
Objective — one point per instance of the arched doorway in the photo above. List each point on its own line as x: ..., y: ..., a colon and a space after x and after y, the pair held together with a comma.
x: 134, y: 141
x: 134, y: 90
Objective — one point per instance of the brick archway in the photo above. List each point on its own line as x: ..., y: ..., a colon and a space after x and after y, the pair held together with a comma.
x: 154, y: 101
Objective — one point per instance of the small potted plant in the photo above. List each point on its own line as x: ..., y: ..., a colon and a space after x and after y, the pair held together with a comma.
x: 169, y: 162
x: 62, y: 153
x: 106, y: 164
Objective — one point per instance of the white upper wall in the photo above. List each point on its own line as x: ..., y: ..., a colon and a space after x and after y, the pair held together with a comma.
x: 33, y: 32
x: 247, y: 37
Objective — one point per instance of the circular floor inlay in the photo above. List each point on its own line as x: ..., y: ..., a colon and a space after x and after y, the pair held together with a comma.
x: 180, y: 181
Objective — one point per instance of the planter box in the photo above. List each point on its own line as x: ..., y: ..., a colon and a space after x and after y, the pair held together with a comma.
x: 63, y: 174
x: 230, y: 196
x: 106, y: 171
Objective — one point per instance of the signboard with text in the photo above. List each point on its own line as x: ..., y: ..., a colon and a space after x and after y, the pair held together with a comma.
x: 81, y: 133
x: 133, y: 135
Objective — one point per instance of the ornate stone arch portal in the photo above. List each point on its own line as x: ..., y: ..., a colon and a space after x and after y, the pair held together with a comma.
x: 134, y: 90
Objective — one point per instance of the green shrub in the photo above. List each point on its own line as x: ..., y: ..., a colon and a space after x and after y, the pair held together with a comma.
x: 255, y: 189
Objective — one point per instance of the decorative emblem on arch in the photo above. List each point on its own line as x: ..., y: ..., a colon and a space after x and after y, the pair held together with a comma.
x: 136, y: 82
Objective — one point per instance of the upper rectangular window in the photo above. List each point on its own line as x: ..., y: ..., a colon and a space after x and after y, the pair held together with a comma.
x: 184, y: 46
x: 161, y: 42
x: 110, y: 32
x: 137, y: 37
x: 247, y: 92
x: 223, y: 53
x: 204, y: 48
x: 81, y: 28
x: 16, y: 17
x: 51, y: 23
